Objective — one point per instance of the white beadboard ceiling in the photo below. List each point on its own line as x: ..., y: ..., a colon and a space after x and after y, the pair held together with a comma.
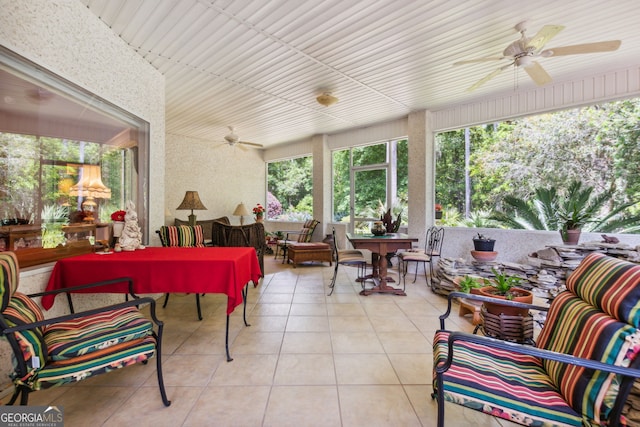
x: 258, y: 65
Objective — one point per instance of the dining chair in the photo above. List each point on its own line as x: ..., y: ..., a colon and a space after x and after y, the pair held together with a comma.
x: 432, y: 249
x: 347, y: 257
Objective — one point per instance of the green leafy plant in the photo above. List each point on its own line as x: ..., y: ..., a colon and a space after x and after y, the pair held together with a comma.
x: 54, y: 217
x: 503, y: 283
x: 576, y: 207
x: 467, y: 283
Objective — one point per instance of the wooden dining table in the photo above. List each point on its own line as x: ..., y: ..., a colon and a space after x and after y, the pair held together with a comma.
x: 380, y: 246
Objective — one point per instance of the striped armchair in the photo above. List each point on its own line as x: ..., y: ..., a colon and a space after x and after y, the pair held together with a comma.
x: 61, y: 350
x: 581, y: 370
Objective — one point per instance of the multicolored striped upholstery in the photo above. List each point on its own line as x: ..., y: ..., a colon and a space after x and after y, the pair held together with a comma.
x: 8, y: 277
x: 22, y: 311
x: 596, y: 318
x: 503, y: 384
x: 182, y: 235
x: 588, y: 325
x: 78, y: 337
x: 610, y: 284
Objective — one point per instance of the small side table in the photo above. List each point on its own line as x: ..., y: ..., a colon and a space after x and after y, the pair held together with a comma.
x: 471, y: 307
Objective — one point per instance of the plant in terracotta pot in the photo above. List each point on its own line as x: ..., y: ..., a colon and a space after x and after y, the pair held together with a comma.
x: 505, y: 287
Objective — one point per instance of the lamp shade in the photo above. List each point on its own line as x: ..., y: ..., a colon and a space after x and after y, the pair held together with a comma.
x: 191, y: 202
x: 90, y: 184
x: 241, y: 210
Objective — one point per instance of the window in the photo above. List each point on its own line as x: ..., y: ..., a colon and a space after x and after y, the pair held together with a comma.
x: 66, y: 156
x: 290, y: 189
x: 596, y: 145
x: 371, y: 179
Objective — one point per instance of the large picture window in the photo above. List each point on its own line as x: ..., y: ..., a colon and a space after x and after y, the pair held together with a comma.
x: 67, y: 157
x: 495, y: 175
x: 369, y: 180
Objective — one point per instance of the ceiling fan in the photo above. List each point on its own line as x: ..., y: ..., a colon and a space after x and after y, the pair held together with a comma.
x: 232, y: 139
x: 524, y: 51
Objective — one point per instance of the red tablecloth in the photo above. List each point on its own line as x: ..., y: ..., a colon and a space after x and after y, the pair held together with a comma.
x: 161, y: 270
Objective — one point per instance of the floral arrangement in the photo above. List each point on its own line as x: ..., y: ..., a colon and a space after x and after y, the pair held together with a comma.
x: 438, y: 207
x: 258, y: 210
x: 118, y: 215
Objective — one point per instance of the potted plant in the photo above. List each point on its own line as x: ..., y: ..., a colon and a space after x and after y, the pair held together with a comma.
x: 568, y: 211
x: 505, y: 287
x: 483, y: 243
x: 438, y: 211
x: 468, y: 284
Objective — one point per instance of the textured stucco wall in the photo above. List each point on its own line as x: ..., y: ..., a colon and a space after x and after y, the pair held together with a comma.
x: 65, y: 38
x: 222, y: 175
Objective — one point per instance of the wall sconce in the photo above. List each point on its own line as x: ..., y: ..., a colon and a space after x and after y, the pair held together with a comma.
x: 90, y: 187
x: 191, y: 201
x: 241, y: 211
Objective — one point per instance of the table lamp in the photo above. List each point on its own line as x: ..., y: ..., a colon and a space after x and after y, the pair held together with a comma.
x: 90, y: 187
x: 191, y: 201
x: 241, y: 211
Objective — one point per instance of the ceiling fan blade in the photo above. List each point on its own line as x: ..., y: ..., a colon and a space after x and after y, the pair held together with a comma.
x: 544, y: 35
x: 538, y: 74
x: 606, y: 46
x: 253, y: 144
x: 473, y: 61
x: 487, y: 78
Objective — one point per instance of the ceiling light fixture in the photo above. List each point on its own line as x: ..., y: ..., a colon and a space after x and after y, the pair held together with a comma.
x: 326, y: 99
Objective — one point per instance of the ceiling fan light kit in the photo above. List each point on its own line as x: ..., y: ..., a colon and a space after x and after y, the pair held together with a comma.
x: 524, y: 51
x: 326, y: 99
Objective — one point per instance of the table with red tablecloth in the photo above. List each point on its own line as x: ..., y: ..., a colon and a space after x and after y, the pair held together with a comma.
x: 162, y: 270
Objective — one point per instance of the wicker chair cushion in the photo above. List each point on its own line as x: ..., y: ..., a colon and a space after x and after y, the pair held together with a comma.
x: 85, y: 335
x: 21, y: 311
x: 610, y: 284
x: 576, y: 327
x: 503, y: 384
x: 182, y: 235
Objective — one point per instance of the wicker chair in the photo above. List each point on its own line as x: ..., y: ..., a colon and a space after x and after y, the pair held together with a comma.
x: 52, y: 352
x: 248, y: 235
x: 301, y: 236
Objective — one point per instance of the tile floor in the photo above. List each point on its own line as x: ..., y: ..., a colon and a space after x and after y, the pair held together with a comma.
x: 306, y: 360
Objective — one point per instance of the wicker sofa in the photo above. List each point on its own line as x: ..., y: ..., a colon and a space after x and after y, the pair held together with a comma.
x: 581, y: 370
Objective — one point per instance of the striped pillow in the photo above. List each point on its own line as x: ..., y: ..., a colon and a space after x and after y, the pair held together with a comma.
x: 611, y: 284
x: 575, y: 327
x: 182, y: 235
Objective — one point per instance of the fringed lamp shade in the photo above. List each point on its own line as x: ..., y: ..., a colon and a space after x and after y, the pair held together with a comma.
x: 90, y: 187
x: 191, y: 202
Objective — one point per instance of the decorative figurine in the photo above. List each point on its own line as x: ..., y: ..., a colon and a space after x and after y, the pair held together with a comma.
x: 131, y: 238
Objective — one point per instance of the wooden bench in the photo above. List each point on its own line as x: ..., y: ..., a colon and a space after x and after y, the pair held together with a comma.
x: 579, y: 372
x: 304, y: 252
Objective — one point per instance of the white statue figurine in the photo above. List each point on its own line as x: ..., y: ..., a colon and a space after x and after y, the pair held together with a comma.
x: 131, y: 238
